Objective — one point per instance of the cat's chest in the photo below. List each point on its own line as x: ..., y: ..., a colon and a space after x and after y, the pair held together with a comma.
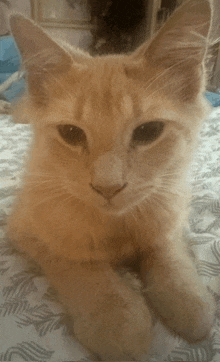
x: 81, y: 234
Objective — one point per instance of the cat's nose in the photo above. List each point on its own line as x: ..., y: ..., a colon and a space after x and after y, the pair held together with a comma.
x: 108, y: 191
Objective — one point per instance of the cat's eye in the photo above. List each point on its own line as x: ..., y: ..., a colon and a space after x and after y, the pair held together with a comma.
x: 147, y: 132
x: 72, y: 134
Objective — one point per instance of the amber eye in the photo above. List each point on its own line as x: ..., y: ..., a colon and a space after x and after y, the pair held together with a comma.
x: 147, y: 132
x: 72, y: 134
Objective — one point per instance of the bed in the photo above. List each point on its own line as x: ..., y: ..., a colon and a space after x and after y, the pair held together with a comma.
x: 34, y: 326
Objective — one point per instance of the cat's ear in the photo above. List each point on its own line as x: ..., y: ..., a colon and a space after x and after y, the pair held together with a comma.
x: 42, y: 58
x: 180, y: 46
x: 184, y: 36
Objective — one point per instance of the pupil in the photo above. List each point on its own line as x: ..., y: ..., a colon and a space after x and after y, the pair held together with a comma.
x: 72, y: 134
x: 148, y: 132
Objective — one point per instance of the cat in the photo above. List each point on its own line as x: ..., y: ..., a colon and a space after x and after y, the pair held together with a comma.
x: 105, y: 183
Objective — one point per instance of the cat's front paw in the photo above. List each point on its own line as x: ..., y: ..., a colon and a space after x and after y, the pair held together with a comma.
x: 190, y: 315
x: 116, y: 334
x: 199, y: 318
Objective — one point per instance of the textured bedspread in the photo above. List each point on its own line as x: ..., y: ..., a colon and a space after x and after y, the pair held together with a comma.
x: 33, y: 325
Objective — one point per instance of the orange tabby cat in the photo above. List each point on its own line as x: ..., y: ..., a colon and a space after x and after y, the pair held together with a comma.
x: 105, y: 181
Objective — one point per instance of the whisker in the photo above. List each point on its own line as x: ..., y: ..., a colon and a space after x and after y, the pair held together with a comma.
x: 171, y: 80
x: 51, y: 197
x: 168, y: 192
x: 158, y: 199
x: 45, y: 183
x: 43, y: 174
x: 68, y: 198
x: 166, y: 71
x: 171, y: 182
x: 40, y: 182
x: 173, y: 173
x: 48, y: 188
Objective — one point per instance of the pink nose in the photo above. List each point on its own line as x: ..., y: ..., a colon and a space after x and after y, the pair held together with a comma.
x: 108, y: 191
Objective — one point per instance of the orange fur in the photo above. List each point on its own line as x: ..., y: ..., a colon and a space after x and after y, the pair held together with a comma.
x: 78, y: 236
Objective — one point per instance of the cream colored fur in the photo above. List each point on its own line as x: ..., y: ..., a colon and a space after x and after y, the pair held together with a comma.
x: 77, y: 235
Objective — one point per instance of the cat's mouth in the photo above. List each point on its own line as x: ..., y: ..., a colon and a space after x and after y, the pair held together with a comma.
x: 115, y: 207
x: 111, y: 207
x: 123, y: 203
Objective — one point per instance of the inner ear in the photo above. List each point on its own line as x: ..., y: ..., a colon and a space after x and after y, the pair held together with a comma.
x: 175, y: 56
x: 183, y: 36
x: 42, y: 57
x: 37, y: 48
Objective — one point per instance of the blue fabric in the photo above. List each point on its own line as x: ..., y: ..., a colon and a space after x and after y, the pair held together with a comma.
x: 9, y: 55
x: 214, y: 98
x: 15, y: 91
x: 10, y: 62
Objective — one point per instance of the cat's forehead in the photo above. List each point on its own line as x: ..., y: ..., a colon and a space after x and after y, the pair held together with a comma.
x: 102, y: 90
x: 104, y: 98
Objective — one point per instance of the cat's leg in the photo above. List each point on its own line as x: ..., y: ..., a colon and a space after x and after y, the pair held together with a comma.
x: 110, y: 318
x: 176, y: 293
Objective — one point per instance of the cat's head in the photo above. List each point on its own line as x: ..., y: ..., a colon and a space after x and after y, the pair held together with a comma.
x: 114, y: 131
